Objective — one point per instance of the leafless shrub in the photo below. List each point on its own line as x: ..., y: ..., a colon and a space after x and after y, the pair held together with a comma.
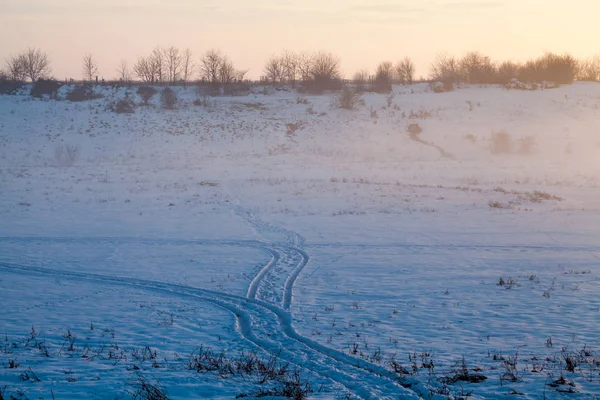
x: 146, y: 390
x: 560, y: 69
x: 168, y: 98
x: 497, y: 204
x: 348, y: 98
x: 384, y: 75
x: 461, y: 373
x: 292, y: 127
x: 405, y: 71
x: 9, y: 86
x: 323, y: 72
x: 414, y: 129
x: 590, y: 69
x: 125, y: 106
x: 204, y: 101
x: 511, y: 371
x: 83, y: 92
x: 445, y: 69
x: 501, y: 143
x: 508, y: 71
x: 66, y: 155
x: 29, y: 375
x: 45, y: 87
x: 477, y: 69
x: 361, y: 77
x: 146, y: 93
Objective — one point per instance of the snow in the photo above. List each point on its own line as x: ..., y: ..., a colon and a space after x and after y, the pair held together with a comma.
x: 336, y: 247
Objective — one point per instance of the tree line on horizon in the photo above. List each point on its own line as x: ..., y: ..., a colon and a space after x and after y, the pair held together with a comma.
x: 319, y: 70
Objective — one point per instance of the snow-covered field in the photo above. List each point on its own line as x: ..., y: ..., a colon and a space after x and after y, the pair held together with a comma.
x: 376, y: 263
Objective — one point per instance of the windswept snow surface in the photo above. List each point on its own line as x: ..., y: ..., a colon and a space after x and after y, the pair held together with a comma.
x: 375, y: 264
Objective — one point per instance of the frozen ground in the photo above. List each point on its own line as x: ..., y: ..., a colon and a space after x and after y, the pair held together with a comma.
x: 371, y: 262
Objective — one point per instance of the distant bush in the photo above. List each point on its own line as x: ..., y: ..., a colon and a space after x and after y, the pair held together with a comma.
x: 45, y: 87
x: 476, y: 68
x: 125, y: 106
x: 405, y: 71
x: 414, y: 129
x: 236, y: 89
x: 445, y: 69
x: 442, y: 87
x: 560, y: 69
x: 146, y: 93
x: 384, y: 76
x: 82, y: 93
x: 8, y: 86
x: 501, y: 143
x: 507, y: 72
x: 589, y: 70
x: 322, y: 72
x: 168, y: 98
x: 348, y: 98
x: 320, y: 85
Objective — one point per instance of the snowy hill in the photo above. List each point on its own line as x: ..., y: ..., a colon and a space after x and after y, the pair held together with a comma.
x: 398, y: 250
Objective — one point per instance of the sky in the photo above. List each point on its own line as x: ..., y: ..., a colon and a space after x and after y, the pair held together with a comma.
x: 362, y: 33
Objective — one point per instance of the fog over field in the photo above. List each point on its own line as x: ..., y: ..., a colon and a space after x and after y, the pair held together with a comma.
x: 188, y: 215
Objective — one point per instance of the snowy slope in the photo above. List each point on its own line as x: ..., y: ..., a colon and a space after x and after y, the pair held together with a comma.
x: 331, y: 239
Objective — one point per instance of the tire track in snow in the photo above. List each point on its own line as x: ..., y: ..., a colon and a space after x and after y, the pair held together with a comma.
x: 285, y: 320
x: 365, y: 386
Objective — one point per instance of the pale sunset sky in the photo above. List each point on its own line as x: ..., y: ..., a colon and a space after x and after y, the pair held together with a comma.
x: 362, y: 33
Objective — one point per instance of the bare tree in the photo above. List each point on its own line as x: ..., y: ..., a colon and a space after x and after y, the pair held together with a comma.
x: 210, y: 66
x: 325, y: 66
x: 361, y: 77
x: 384, y: 77
x: 35, y: 64
x: 15, y: 68
x: 90, y: 69
x: 227, y: 72
x: 507, y: 71
x: 477, y: 68
x: 143, y: 69
x: 445, y: 68
x: 187, y: 65
x: 305, y: 65
x: 173, y: 61
x: 274, y: 70
x: 384, y: 72
x: 157, y: 65
x: 405, y: 71
x: 123, y: 71
x: 289, y: 64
